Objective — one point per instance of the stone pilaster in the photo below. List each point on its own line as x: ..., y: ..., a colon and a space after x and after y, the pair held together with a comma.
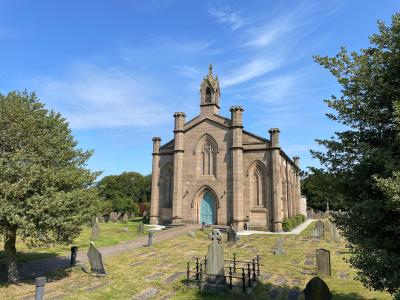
x: 155, y: 177
x: 296, y: 160
x: 178, y: 168
x: 237, y: 165
x: 285, y: 191
x: 276, y: 180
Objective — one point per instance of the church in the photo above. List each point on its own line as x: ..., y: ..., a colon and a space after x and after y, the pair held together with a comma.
x: 216, y: 172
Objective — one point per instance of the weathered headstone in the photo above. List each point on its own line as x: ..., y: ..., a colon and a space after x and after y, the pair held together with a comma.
x: 232, y: 234
x: 328, y: 229
x: 319, y: 226
x: 114, y: 216
x: 140, y: 228
x: 317, y: 289
x: 96, y: 261
x: 95, y: 230
x: 323, y: 262
x: 335, y: 233
x: 215, y: 257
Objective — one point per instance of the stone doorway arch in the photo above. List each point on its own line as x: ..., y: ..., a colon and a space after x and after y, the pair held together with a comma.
x: 205, y: 205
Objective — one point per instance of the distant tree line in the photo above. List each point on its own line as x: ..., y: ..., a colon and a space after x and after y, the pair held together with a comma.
x: 122, y: 193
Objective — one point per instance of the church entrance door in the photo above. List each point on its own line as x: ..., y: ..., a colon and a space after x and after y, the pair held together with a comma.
x: 207, y: 209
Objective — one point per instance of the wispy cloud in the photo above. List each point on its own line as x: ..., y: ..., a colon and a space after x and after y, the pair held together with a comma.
x: 251, y: 70
x: 224, y: 15
x: 94, y: 97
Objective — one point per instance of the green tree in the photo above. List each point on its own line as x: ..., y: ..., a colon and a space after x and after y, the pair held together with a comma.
x: 46, y: 192
x: 321, y: 187
x: 368, y: 149
x: 125, y: 190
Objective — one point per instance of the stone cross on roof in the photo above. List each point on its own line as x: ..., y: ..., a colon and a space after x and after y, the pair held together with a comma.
x: 210, y: 69
x: 215, y: 236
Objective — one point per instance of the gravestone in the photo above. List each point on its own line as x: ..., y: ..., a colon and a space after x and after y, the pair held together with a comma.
x: 335, y: 233
x: 319, y: 226
x: 323, y: 262
x: 140, y: 228
x: 317, y: 289
x: 215, y: 262
x: 232, y: 234
x: 125, y: 217
x: 96, y: 261
x: 328, y: 229
x: 114, y: 216
x: 95, y: 231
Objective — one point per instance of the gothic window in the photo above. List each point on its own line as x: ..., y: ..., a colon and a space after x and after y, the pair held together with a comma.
x: 207, y: 96
x: 209, y: 158
x: 257, y: 185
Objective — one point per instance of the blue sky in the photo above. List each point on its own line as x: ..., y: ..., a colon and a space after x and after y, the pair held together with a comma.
x: 118, y: 70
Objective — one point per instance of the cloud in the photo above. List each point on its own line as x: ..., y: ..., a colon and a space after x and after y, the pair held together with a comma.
x: 251, y: 70
x: 224, y: 15
x: 94, y: 97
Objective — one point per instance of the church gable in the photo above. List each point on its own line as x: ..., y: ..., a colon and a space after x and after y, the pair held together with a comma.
x: 250, y: 138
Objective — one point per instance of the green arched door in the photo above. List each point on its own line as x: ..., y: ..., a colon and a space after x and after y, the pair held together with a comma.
x: 208, y: 209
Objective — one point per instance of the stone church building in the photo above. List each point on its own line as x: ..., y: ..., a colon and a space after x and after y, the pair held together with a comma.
x: 217, y: 172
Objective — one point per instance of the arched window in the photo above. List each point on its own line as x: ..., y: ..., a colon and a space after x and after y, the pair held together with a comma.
x: 208, y: 96
x: 209, y: 158
x: 257, y: 180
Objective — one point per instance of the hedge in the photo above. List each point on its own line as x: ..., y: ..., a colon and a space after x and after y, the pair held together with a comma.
x: 290, y: 223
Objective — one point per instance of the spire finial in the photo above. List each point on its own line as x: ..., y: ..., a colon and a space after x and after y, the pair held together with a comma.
x: 210, y: 69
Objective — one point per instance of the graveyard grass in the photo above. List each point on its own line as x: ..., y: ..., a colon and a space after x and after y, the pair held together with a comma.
x: 111, y: 233
x: 145, y: 271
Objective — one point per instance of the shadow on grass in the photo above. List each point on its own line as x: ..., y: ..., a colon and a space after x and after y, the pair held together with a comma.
x: 39, y: 267
x: 263, y: 291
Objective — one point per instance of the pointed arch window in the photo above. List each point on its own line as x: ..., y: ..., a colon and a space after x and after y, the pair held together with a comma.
x: 208, y: 96
x: 166, y: 186
x: 258, y: 185
x: 209, y: 158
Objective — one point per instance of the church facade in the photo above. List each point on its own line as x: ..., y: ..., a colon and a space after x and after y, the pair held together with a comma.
x: 216, y: 172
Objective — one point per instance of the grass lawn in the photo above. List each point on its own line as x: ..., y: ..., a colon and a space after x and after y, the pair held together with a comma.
x: 110, y: 234
x: 149, y: 270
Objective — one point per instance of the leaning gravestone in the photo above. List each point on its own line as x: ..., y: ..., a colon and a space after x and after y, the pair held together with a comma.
x: 215, y: 263
x: 96, y: 261
x: 323, y: 262
x: 232, y: 234
x: 140, y: 228
x: 317, y: 289
x: 95, y: 231
x: 319, y: 226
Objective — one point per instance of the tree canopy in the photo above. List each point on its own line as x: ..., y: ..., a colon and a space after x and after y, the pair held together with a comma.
x: 364, y: 159
x: 46, y: 192
x: 124, y: 191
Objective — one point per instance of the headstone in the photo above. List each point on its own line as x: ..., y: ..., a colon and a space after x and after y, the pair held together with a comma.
x: 317, y: 289
x: 95, y: 231
x: 328, y: 229
x: 144, y: 215
x: 150, y: 238
x: 232, y: 234
x: 215, y: 257
x: 96, y: 261
x: 140, y: 228
x: 114, y: 216
x: 323, y: 262
x: 335, y: 233
x: 125, y: 217
x: 106, y: 218
x: 319, y: 226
